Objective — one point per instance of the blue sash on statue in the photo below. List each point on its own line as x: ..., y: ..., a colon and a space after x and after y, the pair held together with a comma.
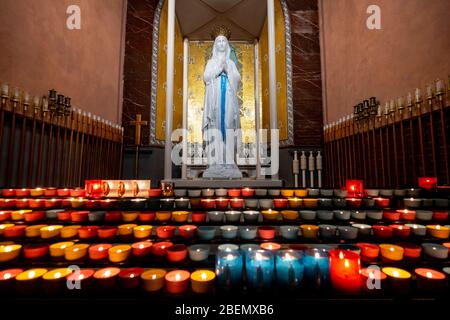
x: 223, y: 92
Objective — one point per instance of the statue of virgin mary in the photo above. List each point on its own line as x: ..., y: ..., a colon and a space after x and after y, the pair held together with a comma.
x: 221, y: 121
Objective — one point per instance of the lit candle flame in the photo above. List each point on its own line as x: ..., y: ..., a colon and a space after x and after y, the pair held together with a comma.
x: 429, y: 274
x: 7, y: 276
x: 203, y: 276
x: 177, y: 277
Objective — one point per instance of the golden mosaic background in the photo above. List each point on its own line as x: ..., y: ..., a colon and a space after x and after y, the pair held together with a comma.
x: 199, y: 53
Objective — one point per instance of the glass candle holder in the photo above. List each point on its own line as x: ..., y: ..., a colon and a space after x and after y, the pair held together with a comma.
x: 345, y: 271
x: 229, y: 267
x: 259, y: 268
x: 289, y: 268
x: 317, y: 267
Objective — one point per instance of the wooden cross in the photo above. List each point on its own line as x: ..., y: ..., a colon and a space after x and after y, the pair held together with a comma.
x: 138, y: 123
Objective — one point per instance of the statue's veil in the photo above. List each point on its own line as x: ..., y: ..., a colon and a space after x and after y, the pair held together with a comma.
x: 216, y: 54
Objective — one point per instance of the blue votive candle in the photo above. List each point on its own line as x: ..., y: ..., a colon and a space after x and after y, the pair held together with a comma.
x: 229, y: 265
x: 317, y: 267
x: 259, y: 267
x: 289, y: 268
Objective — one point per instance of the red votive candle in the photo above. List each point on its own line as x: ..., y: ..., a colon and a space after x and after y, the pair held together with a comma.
x: 88, y: 232
x: 195, y: 203
x: 83, y: 277
x: 165, y: 232
x: 36, y: 203
x: 408, y: 215
x: 106, y: 232
x: 208, y: 203
x: 373, y: 280
x: 14, y: 232
x: 266, y: 232
x: 7, y: 279
x: 52, y: 203
x: 222, y: 203
x: 99, y: 251
x: 154, y: 193
x: 8, y: 193
x: 280, y: 203
x: 427, y: 182
x: 271, y: 246
x: 177, y: 253
x: 129, y: 278
x: 382, y: 202
x: 353, y: 203
x: 34, y: 216
x: 440, y: 215
x: 22, y: 203
x: 345, y: 271
x: 382, y: 232
x: 160, y: 248
x: 369, y: 251
x: 113, y: 216
x: 234, y: 193
x: 67, y: 202
x: 107, y: 203
x: 92, y: 204
x: 35, y: 251
x: 146, y: 216
x: 106, y: 278
x: 21, y: 193
x: 391, y: 215
x: 141, y: 249
x: 177, y: 281
x: 198, y: 216
x: 63, y: 192
x: 5, y: 215
x: 64, y: 215
x: 429, y: 280
x: 79, y: 216
x: 77, y: 192
x: 248, y: 192
x: 50, y: 192
x: 411, y: 251
x: 236, y: 203
x: 400, y: 231
x: 187, y: 231
x: 7, y: 203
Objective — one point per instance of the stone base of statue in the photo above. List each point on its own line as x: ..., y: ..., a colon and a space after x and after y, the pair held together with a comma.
x: 222, y: 171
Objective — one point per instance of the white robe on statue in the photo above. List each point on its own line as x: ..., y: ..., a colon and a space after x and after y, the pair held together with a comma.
x: 221, y: 156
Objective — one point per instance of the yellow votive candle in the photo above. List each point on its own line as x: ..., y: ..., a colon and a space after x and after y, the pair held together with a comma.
x: 9, y: 252
x: 4, y: 226
x: 50, y: 231
x: 119, y: 253
x: 437, y: 231
x: 141, y: 232
x: 310, y: 202
x: 309, y: 231
x: 289, y: 214
x: 69, y: 231
x: 270, y: 214
x: 202, y: 281
x: 34, y: 231
x: 126, y: 229
x: 56, y: 274
x: 153, y: 279
x: 76, y: 252
x: 37, y: 192
x: 295, y: 203
x: 180, y: 216
x: 287, y: 193
x: 391, y: 252
x: 301, y: 193
x: 58, y: 249
x: 31, y: 274
x: 19, y: 215
x: 129, y: 216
